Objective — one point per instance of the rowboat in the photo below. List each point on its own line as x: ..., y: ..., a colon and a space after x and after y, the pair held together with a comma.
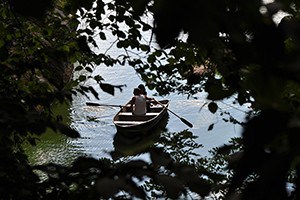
x: 125, y: 121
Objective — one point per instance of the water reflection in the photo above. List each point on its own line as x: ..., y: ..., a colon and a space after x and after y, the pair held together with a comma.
x: 99, y: 137
x: 53, y: 147
x: 131, y: 144
x: 96, y: 127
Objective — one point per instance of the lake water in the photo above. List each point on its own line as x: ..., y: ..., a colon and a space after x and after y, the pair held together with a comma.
x: 97, y: 130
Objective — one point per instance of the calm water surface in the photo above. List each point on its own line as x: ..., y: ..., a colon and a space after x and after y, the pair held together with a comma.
x: 97, y: 129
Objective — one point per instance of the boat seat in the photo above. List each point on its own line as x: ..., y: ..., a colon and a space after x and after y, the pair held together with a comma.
x: 130, y: 114
x: 128, y: 122
x: 157, y: 106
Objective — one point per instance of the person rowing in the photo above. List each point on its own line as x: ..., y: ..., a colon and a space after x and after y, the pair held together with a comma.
x: 138, y: 103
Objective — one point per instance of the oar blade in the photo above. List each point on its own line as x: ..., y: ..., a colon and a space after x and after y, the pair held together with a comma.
x: 98, y: 104
x: 92, y: 104
x: 189, y: 124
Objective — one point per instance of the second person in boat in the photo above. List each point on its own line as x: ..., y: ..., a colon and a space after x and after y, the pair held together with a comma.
x: 148, y: 99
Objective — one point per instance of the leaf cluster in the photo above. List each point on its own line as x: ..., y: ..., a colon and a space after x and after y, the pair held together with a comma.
x: 231, y: 48
x: 36, y: 64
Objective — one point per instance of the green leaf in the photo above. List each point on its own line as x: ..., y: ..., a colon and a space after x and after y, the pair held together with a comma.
x: 216, y: 90
x: 213, y: 107
x: 89, y: 69
x: 107, y: 88
x: 120, y: 44
x: 121, y: 34
x: 146, y: 27
x: 151, y: 59
x: 78, y: 68
x: 111, y: 18
x: 210, y: 127
x: 98, y: 78
x: 145, y: 48
x: 82, y: 78
x: 102, y: 36
x: 94, y: 92
x: 66, y: 48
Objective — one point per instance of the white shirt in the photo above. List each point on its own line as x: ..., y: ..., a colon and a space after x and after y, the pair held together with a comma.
x: 139, y: 105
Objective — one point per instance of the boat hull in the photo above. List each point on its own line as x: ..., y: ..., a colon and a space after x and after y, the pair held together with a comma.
x: 125, y: 121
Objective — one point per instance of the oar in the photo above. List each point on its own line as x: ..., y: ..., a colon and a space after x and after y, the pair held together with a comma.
x: 182, y: 119
x: 98, y: 104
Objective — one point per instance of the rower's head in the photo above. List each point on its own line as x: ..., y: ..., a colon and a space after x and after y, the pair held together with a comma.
x: 136, y: 91
x: 142, y: 87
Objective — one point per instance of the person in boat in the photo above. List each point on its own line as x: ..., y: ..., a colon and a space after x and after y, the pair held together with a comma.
x: 138, y: 102
x: 148, y: 99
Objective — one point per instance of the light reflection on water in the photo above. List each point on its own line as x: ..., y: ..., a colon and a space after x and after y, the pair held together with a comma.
x: 97, y: 130
x: 95, y: 123
x: 55, y: 148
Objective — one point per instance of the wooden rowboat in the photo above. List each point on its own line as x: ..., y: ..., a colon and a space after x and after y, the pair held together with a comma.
x: 125, y: 121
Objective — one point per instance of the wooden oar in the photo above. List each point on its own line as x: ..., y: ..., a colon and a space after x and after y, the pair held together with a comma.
x: 182, y: 119
x: 98, y: 104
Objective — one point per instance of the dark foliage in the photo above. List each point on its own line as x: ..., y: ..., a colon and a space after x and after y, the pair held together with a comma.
x: 232, y: 48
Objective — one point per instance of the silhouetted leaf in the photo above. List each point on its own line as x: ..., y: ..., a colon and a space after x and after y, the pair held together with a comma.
x: 159, y: 157
x: 86, y: 163
x: 211, y: 126
x: 213, y: 107
x: 172, y: 185
x: 94, y: 92
x: 200, y: 186
x: 102, y: 36
x: 107, y: 88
